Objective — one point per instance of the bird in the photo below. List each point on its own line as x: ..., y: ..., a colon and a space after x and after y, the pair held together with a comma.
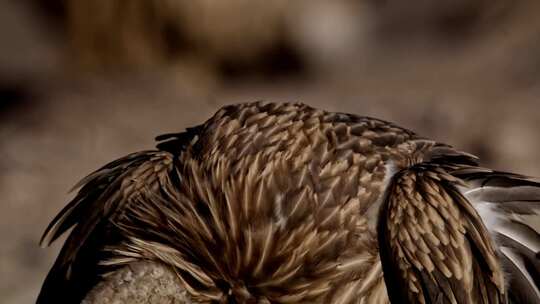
x: 270, y: 202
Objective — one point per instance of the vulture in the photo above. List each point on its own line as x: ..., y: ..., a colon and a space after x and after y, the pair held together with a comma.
x: 284, y: 203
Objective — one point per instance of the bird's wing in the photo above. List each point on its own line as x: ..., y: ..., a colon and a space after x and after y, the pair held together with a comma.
x: 434, y: 246
x: 509, y: 205
x: 96, y: 212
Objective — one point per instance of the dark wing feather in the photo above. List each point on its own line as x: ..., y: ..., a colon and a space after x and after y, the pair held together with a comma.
x: 95, y: 212
x: 434, y: 247
x: 91, y: 188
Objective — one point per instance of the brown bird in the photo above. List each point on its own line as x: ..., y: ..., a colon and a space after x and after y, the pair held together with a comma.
x: 284, y: 203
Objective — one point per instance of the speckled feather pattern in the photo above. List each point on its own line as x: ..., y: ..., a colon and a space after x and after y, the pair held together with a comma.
x: 438, y: 243
x: 280, y: 203
x: 282, y: 192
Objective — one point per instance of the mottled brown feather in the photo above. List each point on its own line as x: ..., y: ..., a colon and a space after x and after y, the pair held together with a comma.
x: 279, y: 203
x: 416, y: 228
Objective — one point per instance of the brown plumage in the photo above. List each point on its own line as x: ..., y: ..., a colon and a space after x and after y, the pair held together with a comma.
x: 284, y: 203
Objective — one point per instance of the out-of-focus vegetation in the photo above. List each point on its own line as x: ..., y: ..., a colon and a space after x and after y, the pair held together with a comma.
x: 85, y: 81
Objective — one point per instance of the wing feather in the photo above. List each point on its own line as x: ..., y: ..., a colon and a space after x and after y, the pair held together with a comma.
x: 102, y: 197
x: 446, y: 254
x: 509, y: 204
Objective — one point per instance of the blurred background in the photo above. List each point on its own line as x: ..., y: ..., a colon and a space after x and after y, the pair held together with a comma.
x: 83, y: 82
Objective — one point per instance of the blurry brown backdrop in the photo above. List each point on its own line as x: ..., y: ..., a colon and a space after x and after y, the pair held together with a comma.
x: 85, y: 81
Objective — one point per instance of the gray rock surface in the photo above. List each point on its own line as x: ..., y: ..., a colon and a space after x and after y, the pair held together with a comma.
x: 139, y: 283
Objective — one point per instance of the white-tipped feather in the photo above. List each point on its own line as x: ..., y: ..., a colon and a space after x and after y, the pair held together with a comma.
x: 509, y: 206
x: 526, y: 278
x: 487, y: 211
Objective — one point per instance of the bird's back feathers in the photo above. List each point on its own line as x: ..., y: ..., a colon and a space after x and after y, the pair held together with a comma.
x: 279, y: 203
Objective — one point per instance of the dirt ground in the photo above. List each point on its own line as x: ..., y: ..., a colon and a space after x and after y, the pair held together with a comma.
x: 468, y: 76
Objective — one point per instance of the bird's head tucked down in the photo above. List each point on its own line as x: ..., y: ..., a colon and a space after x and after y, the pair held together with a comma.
x: 284, y: 203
